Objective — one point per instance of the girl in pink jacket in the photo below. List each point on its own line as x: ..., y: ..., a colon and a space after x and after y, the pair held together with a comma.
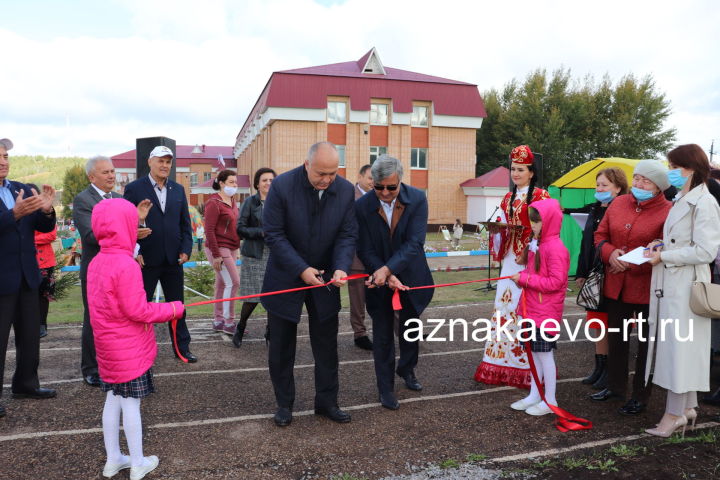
x: 122, y: 319
x: 544, y: 283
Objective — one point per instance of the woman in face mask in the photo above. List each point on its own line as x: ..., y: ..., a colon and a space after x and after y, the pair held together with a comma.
x: 610, y: 182
x: 680, y: 339
x: 631, y: 221
x: 221, y: 245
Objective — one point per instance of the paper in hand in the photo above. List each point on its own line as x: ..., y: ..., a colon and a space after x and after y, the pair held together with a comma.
x: 636, y: 257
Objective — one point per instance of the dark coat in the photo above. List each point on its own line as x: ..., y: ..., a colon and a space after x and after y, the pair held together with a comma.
x: 304, y: 231
x: 403, y: 252
x: 83, y: 205
x: 587, y: 256
x: 17, y: 244
x: 250, y: 227
x: 171, y: 230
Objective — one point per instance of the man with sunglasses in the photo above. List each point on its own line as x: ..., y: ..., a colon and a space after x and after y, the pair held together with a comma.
x: 392, y: 221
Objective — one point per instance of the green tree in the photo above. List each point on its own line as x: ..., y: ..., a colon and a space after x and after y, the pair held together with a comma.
x: 74, y: 182
x: 572, y: 121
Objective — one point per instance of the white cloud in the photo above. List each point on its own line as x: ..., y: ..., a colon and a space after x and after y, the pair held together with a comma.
x: 193, y: 70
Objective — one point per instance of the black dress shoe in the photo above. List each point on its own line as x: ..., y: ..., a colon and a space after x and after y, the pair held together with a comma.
x: 411, y: 381
x: 334, y: 414
x: 604, y: 395
x: 283, y: 417
x: 389, y: 401
x: 43, y: 331
x: 713, y: 399
x: 39, y: 393
x: 364, y: 342
x: 190, y: 357
x: 632, y: 407
x: 93, y: 380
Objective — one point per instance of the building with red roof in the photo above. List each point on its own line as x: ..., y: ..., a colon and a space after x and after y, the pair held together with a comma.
x: 367, y: 109
x: 485, y: 193
x: 195, y: 167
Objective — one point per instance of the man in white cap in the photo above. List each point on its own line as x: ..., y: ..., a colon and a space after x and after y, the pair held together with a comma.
x: 164, y: 251
x: 22, y: 212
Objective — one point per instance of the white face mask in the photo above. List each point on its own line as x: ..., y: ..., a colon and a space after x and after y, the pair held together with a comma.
x: 230, y: 191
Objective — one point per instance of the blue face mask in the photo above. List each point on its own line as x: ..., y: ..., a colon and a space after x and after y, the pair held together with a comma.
x: 603, y: 197
x: 641, y: 195
x: 676, y: 179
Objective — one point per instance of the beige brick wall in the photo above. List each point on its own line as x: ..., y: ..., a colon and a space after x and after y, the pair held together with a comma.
x: 451, y: 157
x: 451, y: 161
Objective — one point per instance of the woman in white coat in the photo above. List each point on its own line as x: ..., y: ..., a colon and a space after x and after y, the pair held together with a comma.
x: 691, y: 238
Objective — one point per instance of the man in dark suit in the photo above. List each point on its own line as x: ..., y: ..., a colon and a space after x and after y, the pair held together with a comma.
x: 101, y: 173
x: 392, y: 221
x: 356, y: 288
x: 22, y: 212
x: 163, y: 252
x: 310, y: 228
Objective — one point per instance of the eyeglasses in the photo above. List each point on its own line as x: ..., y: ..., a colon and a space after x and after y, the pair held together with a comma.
x: 390, y: 188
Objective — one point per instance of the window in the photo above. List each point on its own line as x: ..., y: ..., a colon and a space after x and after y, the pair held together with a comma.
x: 419, y: 117
x: 418, y: 158
x: 193, y: 179
x: 375, y: 152
x: 341, y: 154
x: 378, y: 114
x: 207, y: 176
x: 336, y: 112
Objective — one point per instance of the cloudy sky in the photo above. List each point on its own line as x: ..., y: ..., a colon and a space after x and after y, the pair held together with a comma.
x: 88, y: 77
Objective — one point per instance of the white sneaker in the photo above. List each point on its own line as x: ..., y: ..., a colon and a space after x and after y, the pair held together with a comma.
x: 112, y: 469
x: 150, y: 464
x: 523, y: 404
x: 539, y: 409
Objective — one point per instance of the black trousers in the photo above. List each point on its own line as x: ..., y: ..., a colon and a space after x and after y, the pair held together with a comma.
x: 282, y: 340
x: 21, y: 311
x: 88, y: 362
x: 383, y: 323
x: 171, y: 280
x: 619, y: 350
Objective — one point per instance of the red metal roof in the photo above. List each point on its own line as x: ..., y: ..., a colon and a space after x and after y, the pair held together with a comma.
x: 184, y: 156
x: 310, y: 87
x: 499, y: 177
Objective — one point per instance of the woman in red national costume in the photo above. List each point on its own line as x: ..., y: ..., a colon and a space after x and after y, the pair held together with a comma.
x: 504, y: 361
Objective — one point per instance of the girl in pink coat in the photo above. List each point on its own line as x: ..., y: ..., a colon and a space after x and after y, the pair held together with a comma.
x: 544, y: 282
x: 122, y: 319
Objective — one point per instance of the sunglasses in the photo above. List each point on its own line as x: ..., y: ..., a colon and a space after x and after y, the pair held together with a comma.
x: 390, y: 188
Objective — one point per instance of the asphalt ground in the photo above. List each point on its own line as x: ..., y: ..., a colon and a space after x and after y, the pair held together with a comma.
x: 212, y: 419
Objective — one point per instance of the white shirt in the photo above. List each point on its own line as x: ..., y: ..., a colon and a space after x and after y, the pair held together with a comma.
x: 160, y: 192
x: 361, y: 189
x: 388, y: 209
x: 100, y: 192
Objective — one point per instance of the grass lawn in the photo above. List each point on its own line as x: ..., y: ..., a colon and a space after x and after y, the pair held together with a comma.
x: 70, y: 310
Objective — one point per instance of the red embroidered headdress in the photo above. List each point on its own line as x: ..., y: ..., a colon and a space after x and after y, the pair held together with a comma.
x: 522, y: 155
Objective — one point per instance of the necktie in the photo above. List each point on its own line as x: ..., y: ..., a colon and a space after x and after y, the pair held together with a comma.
x: 107, y: 195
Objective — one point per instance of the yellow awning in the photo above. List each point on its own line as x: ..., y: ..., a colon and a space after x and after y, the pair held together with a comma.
x: 583, y: 176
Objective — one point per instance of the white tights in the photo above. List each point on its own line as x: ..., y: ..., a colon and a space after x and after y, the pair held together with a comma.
x: 547, y: 373
x: 132, y: 424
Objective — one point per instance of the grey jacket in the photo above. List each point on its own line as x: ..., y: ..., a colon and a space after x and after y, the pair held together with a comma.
x: 83, y: 205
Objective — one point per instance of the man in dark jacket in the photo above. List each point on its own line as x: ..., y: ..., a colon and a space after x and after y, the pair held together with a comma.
x: 311, y: 231
x: 392, y: 221
x: 164, y: 251
x: 22, y: 212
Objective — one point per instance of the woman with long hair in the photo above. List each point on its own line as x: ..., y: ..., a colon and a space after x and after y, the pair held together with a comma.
x: 680, y: 339
x: 505, y: 362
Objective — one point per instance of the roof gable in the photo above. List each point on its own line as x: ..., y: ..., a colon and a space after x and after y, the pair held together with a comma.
x: 370, y: 63
x: 499, y: 177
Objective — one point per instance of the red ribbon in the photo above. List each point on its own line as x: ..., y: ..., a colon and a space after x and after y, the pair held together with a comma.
x: 397, y: 305
x: 277, y: 292
x: 565, y: 421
